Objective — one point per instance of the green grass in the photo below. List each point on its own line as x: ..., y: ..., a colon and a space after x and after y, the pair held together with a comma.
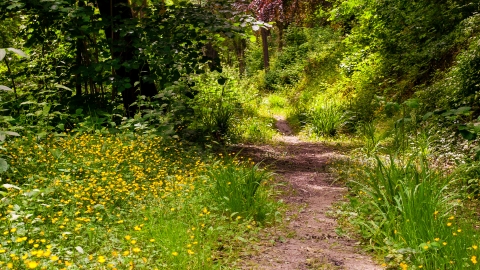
x: 239, y: 189
x: 325, y: 118
x: 122, y: 201
x: 411, y: 212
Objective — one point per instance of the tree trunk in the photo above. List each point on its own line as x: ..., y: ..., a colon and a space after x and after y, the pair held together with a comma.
x: 281, y: 27
x: 240, y: 44
x: 78, y: 63
x: 118, y: 12
x: 266, y: 60
x: 78, y: 60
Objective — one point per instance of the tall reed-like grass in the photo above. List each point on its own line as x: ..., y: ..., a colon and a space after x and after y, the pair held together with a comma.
x: 410, y: 208
x: 238, y: 189
x: 325, y: 118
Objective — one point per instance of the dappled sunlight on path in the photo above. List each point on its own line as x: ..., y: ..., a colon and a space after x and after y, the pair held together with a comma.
x: 310, y: 240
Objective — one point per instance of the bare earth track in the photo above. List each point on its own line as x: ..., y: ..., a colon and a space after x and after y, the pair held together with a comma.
x: 310, y: 241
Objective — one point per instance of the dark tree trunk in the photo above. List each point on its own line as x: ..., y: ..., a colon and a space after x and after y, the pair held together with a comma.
x: 281, y: 27
x: 240, y: 44
x: 118, y: 13
x: 78, y: 63
x: 78, y: 60
x: 214, y: 59
x: 266, y: 60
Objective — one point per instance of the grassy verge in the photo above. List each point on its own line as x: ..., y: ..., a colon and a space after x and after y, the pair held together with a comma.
x: 413, y: 213
x: 125, y: 201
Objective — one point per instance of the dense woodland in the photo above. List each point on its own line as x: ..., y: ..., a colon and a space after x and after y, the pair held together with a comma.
x: 116, y: 116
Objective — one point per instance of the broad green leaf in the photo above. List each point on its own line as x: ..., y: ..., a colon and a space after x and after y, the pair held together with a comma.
x: 253, y: 38
x: 412, y: 103
x: 28, y: 102
x: 4, y: 88
x: 2, y: 54
x: 476, y: 127
x: 462, y: 110
x: 427, y: 115
x: 46, y: 110
x: 4, y: 168
x: 467, y: 135
x: 18, y: 52
x: 63, y: 87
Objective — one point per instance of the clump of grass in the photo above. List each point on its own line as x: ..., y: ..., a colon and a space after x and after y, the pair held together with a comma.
x: 240, y: 190
x: 325, y: 118
x: 255, y: 129
x: 276, y: 101
x: 411, y: 212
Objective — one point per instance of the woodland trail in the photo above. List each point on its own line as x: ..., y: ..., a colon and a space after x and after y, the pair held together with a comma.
x: 309, y: 241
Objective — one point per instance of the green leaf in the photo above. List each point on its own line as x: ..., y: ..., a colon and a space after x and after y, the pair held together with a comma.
x: 46, y: 110
x: 462, y: 110
x: 412, y: 103
x: 467, y: 135
x: 3, y: 166
x: 427, y: 115
x: 4, y: 88
x: 63, y: 87
x: 2, y: 54
x: 253, y: 38
x: 18, y: 52
x: 476, y: 127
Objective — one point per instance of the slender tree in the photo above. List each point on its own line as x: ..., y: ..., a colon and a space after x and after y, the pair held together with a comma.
x: 265, y: 11
x: 119, y: 15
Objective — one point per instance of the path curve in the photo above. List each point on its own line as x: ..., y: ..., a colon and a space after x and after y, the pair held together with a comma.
x: 311, y: 241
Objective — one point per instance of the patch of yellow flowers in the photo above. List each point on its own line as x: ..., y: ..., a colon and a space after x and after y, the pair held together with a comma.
x: 75, y: 200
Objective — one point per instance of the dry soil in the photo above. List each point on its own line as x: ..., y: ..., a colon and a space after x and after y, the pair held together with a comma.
x: 309, y: 240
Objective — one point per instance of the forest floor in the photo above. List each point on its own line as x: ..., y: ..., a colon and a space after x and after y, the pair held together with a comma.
x: 308, y: 239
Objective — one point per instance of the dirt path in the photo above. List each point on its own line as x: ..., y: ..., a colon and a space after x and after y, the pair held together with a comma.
x: 309, y: 241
